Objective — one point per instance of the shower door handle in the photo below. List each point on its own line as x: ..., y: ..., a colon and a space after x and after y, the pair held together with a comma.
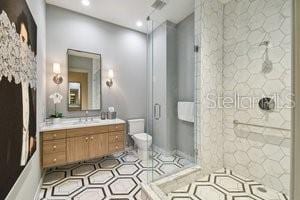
x: 157, y: 111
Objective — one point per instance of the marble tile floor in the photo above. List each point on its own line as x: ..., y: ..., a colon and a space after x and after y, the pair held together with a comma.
x: 225, y: 185
x: 114, y: 177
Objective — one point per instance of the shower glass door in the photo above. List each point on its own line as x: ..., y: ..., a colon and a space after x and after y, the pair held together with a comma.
x: 171, y: 80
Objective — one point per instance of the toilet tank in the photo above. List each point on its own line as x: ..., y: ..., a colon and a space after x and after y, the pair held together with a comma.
x: 136, y: 126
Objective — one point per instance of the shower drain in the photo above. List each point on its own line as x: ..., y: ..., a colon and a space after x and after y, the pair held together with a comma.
x: 261, y: 189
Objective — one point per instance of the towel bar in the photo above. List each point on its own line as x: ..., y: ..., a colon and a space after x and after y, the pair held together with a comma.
x: 261, y: 126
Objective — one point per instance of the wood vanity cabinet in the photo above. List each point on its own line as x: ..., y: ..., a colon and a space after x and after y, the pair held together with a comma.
x: 73, y: 145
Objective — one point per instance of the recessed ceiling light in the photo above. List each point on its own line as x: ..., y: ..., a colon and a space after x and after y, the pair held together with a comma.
x: 139, y: 23
x: 85, y: 2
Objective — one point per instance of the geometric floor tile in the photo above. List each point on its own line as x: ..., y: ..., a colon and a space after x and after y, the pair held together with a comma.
x: 128, y: 169
x: 147, y: 174
x: 169, y: 168
x: 83, y: 170
x: 122, y: 186
x: 101, y: 177
x: 209, y: 192
x: 90, y: 193
x: 261, y: 192
x: 54, y: 177
x: 113, y: 177
x: 109, y: 164
x: 226, y: 185
x: 67, y: 187
x: 166, y: 158
x: 229, y: 184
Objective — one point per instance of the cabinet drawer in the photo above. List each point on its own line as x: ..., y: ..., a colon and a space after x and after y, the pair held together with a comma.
x: 54, y: 135
x: 54, y: 146
x: 54, y: 159
x: 78, y: 132
x: 117, y: 127
x: 114, y: 147
x: 116, y: 137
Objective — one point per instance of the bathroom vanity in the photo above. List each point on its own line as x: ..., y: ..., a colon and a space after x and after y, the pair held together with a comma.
x: 75, y: 141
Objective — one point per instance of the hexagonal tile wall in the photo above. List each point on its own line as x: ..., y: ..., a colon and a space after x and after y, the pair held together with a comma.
x: 209, y: 67
x: 260, y: 155
x: 113, y: 177
x: 225, y: 185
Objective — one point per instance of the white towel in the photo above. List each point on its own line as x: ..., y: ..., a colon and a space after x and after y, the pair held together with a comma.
x: 186, y: 111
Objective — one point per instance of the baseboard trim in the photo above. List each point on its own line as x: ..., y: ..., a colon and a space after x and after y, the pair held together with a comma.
x: 37, y: 193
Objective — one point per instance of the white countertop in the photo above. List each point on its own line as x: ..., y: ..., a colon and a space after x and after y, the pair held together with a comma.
x: 71, y: 123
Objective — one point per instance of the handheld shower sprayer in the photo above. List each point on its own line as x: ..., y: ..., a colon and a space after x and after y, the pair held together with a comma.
x: 267, y: 65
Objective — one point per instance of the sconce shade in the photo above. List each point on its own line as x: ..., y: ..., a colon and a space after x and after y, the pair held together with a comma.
x: 110, y: 74
x: 56, y: 68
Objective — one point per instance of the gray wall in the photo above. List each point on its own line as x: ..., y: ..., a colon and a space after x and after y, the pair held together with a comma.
x: 164, y: 85
x: 186, y: 73
x: 121, y: 49
x: 28, y: 182
x: 172, y: 85
x: 158, y: 81
x: 173, y: 80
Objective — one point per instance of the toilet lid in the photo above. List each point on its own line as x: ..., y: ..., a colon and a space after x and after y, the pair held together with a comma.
x: 143, y: 136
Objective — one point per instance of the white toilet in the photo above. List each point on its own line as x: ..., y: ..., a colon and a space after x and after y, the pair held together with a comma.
x: 141, y: 139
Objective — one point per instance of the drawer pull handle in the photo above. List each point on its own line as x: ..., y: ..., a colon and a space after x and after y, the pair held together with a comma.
x: 54, y: 135
x: 54, y: 160
x: 117, y: 137
x: 92, y: 138
x: 86, y: 139
x: 54, y: 147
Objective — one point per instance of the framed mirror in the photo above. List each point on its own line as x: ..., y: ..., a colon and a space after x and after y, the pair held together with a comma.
x: 84, y: 81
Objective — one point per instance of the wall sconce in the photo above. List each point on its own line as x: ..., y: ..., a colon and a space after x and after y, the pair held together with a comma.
x: 57, y: 79
x: 109, y: 82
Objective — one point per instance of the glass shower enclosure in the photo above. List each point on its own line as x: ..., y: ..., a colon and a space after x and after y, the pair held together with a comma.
x: 171, y: 91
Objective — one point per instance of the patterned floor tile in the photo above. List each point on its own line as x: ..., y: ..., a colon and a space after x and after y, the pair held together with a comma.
x: 101, y: 177
x: 90, y: 193
x: 67, y: 187
x: 127, y: 169
x: 122, y: 186
x: 83, y: 170
x: 113, y: 177
x: 226, y: 185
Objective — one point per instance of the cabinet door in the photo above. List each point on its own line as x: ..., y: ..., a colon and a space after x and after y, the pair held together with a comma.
x: 77, y: 148
x: 98, y: 145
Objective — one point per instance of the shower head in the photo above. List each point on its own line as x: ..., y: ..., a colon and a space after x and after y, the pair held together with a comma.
x: 158, y: 4
x: 267, y: 65
x: 265, y: 43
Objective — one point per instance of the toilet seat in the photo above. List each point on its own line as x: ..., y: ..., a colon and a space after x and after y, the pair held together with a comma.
x: 143, y: 136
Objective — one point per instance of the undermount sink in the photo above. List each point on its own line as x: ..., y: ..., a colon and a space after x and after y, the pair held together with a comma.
x: 65, y: 123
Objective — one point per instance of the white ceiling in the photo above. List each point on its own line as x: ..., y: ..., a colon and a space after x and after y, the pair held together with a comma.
x: 127, y: 12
